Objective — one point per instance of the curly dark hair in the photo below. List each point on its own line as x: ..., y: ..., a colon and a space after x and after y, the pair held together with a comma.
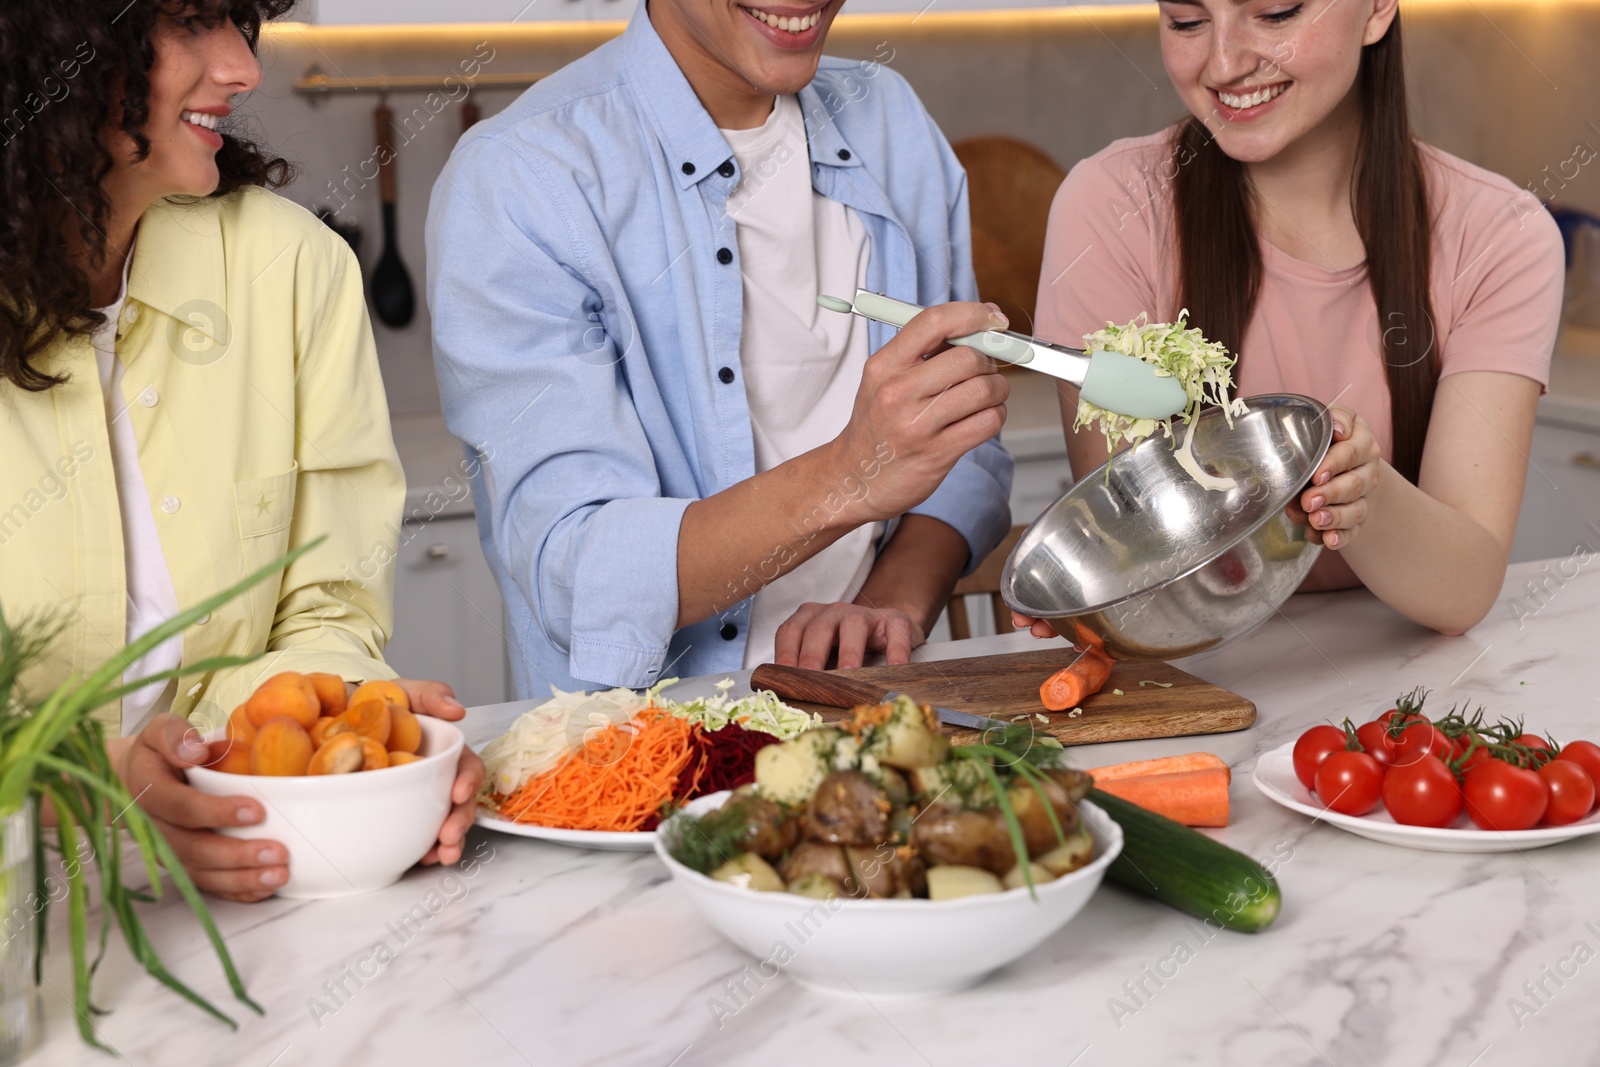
x: 69, y: 73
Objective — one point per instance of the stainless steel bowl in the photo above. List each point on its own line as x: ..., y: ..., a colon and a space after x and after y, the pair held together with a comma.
x: 1157, y: 566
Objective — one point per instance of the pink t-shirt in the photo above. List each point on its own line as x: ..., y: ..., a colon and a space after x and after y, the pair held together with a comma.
x: 1498, y: 273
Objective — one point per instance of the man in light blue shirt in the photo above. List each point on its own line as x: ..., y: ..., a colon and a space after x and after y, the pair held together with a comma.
x: 588, y: 304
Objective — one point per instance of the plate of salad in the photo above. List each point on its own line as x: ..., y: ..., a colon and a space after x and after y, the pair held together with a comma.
x: 1458, y: 783
x: 598, y: 770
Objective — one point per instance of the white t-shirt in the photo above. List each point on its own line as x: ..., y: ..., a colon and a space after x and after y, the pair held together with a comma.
x: 151, y: 597
x: 802, y: 365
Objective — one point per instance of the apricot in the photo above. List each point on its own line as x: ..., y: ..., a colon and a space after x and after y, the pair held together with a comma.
x: 240, y: 728
x: 326, y: 729
x: 369, y: 718
x: 330, y: 692
x: 400, y: 759
x: 382, y: 689
x: 287, y: 694
x: 341, y: 755
x: 374, y: 757
x: 282, y: 748
x: 230, y: 757
x: 405, y: 732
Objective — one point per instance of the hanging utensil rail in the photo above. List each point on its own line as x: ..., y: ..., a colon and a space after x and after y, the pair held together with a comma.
x: 317, y: 83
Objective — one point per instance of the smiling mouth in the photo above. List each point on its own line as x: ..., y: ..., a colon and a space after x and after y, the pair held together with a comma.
x: 1246, y: 101
x: 795, y: 24
x: 202, y: 120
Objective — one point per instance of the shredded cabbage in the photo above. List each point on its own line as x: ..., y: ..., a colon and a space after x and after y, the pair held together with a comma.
x: 543, y: 734
x: 1204, y: 369
x: 761, y: 710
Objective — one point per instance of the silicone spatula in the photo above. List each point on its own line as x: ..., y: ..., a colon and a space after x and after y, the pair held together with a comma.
x: 1119, y: 383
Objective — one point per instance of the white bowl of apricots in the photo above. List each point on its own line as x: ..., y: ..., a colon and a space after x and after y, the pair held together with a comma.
x: 355, y: 787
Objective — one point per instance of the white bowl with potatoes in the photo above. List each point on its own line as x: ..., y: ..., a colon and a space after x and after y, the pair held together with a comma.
x: 355, y: 789
x: 873, y: 859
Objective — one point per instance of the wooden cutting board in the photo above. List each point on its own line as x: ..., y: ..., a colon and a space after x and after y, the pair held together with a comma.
x: 1007, y: 686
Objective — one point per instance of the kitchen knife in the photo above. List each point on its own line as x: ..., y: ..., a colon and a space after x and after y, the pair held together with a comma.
x: 1119, y: 383
x: 834, y: 691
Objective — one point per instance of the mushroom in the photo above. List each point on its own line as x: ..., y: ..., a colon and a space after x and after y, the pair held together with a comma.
x: 770, y: 830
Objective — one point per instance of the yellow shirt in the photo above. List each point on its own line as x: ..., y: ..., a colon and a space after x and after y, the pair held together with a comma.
x: 252, y: 381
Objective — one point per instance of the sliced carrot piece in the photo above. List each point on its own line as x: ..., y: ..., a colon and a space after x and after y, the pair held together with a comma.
x: 1071, y: 686
x: 1194, y: 798
x: 1189, y: 761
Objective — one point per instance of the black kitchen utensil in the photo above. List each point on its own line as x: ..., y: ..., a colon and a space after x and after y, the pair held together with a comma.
x: 392, y: 296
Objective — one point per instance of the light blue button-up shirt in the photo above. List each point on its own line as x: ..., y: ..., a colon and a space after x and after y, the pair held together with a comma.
x: 584, y: 282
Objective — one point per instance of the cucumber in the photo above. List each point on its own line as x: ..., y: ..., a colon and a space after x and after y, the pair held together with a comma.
x: 1188, y: 870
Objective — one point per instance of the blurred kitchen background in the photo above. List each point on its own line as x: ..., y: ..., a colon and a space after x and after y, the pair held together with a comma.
x: 1023, y: 90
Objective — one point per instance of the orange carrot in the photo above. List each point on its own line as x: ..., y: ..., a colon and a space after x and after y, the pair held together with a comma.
x: 1194, y: 798
x: 1189, y: 761
x: 1071, y: 686
x: 615, y: 780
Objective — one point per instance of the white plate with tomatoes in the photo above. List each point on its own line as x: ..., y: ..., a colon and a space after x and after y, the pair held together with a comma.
x: 1275, y: 776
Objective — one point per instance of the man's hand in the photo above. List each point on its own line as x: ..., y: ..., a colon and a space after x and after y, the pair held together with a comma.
x: 809, y: 636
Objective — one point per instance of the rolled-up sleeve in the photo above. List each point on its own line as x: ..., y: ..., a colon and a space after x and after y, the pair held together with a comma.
x: 569, y: 496
x: 975, y: 497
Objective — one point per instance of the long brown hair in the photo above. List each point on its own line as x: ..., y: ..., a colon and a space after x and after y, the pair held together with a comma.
x: 1219, y: 254
x: 69, y: 72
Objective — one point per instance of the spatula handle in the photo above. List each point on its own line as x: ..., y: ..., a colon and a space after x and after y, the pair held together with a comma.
x: 815, y: 687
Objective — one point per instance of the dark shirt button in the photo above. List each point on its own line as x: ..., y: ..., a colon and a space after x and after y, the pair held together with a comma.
x: 688, y: 168
x: 724, y: 256
x: 726, y: 170
x: 844, y: 153
x: 726, y: 374
x: 729, y: 631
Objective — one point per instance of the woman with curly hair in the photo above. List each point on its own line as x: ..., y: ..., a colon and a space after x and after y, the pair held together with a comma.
x: 191, y: 390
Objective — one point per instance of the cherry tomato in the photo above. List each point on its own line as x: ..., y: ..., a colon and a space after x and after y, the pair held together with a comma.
x: 1533, y: 741
x: 1388, y: 717
x: 1418, y: 740
x: 1376, y: 742
x: 1500, y: 796
x: 1585, y: 754
x: 1350, y: 782
x: 1479, y: 756
x: 1422, y: 793
x: 1312, y: 748
x: 1571, y: 792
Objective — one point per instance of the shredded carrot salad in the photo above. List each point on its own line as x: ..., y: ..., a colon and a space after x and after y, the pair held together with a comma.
x: 617, y: 779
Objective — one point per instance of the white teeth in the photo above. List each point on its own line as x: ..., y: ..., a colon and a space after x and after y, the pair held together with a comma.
x: 196, y: 118
x: 788, y: 24
x: 1255, y: 99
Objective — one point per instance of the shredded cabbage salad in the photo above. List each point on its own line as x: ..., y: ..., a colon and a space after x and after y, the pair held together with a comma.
x: 1204, y: 369
x: 541, y: 736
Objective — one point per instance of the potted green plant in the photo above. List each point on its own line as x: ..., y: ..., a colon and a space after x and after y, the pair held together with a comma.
x: 53, y: 752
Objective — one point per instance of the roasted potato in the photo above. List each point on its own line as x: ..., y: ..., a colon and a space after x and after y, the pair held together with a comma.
x: 907, y: 736
x: 770, y: 828
x: 950, y: 836
x: 848, y: 808
x: 1014, y: 878
x: 1063, y: 859
x: 949, y: 883
x: 816, y: 858
x: 749, y: 871
x: 817, y: 886
x: 789, y: 772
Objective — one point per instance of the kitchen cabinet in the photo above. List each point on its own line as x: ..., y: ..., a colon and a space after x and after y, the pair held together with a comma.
x: 449, y: 619
x: 1561, y: 501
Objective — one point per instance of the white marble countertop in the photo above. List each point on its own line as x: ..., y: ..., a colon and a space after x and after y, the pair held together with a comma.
x: 546, y: 955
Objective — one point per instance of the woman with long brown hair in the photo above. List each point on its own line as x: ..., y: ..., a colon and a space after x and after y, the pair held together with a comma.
x: 1301, y: 223
x: 190, y: 390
